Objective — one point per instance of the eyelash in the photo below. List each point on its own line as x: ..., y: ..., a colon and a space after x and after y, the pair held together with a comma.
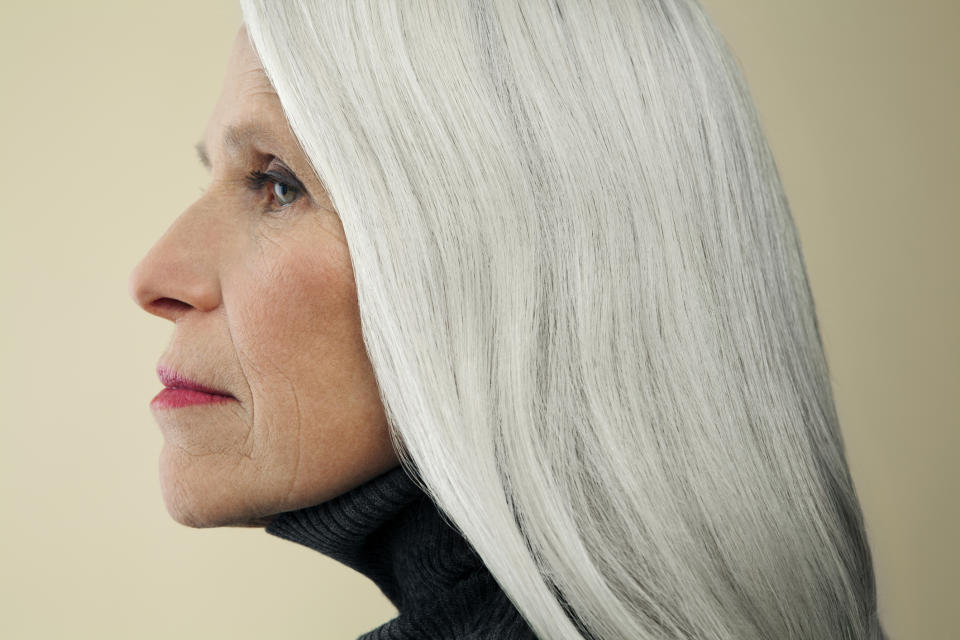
x: 256, y: 180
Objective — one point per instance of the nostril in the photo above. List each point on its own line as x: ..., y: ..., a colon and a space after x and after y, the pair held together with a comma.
x: 167, y: 307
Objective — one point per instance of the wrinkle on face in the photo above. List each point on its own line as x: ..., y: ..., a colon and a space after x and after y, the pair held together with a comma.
x: 300, y: 444
x: 268, y: 301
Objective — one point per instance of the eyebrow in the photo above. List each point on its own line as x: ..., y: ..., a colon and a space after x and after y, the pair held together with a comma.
x: 235, y: 136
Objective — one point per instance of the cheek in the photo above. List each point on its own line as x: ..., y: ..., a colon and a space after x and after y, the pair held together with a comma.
x: 318, y: 423
x: 296, y: 329
x: 300, y: 308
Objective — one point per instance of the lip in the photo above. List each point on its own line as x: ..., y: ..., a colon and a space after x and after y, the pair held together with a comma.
x: 174, y: 398
x: 181, y: 391
x: 175, y: 380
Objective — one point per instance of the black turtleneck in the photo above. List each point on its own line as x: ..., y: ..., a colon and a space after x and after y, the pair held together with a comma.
x: 389, y: 530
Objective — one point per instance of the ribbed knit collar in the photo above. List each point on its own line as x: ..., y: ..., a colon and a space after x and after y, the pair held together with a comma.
x: 389, y: 530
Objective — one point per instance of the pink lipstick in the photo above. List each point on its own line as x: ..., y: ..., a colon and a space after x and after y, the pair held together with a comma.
x: 183, y: 392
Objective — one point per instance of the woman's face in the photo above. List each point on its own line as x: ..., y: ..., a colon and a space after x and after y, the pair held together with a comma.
x: 259, y: 286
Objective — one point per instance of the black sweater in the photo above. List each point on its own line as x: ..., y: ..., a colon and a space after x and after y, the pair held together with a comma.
x: 389, y: 530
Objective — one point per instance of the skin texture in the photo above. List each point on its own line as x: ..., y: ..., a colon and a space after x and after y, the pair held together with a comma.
x: 260, y: 288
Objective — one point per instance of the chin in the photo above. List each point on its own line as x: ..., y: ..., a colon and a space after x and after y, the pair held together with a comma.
x: 206, y: 516
x: 198, y: 497
x: 186, y: 508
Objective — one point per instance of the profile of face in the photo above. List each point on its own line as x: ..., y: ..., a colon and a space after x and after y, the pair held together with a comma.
x: 257, y: 279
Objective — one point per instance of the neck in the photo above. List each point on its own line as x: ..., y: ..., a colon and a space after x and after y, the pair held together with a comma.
x: 389, y: 530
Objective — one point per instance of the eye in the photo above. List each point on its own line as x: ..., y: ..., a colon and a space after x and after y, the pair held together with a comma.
x: 285, y: 190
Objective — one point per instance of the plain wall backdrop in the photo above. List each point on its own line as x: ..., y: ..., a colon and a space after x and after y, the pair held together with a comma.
x: 100, y: 105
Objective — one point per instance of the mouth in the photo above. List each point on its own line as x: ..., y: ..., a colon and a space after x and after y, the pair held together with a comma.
x: 173, y: 379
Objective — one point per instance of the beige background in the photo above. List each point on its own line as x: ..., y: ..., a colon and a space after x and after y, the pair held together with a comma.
x: 101, y: 103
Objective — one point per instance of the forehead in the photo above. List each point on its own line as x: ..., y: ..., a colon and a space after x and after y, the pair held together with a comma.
x: 247, y: 101
x: 245, y: 81
x: 245, y: 74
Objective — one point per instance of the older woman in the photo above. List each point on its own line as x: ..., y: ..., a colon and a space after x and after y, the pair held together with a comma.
x: 502, y: 305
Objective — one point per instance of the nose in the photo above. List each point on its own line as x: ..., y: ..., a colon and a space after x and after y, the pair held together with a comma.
x: 179, y: 272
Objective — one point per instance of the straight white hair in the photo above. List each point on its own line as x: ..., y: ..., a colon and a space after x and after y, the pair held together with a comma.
x: 584, y: 299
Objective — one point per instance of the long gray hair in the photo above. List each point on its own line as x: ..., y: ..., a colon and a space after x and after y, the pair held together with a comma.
x: 584, y: 299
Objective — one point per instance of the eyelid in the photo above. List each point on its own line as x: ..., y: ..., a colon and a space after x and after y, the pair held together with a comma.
x: 256, y: 180
x: 282, y: 174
